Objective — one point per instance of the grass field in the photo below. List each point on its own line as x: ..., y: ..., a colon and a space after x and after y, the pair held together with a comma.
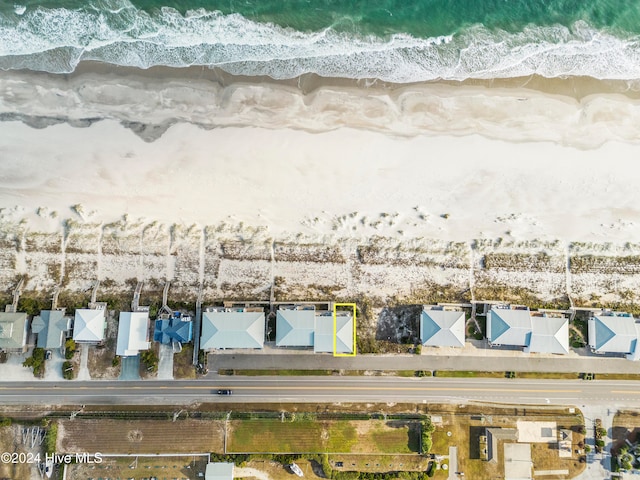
x: 140, y: 436
x: 334, y: 436
x: 161, y: 467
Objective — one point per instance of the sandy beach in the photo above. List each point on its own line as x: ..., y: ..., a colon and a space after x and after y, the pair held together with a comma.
x: 412, y: 169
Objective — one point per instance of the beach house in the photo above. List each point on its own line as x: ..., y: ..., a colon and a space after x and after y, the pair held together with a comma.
x: 133, y: 333
x: 230, y: 328
x: 90, y: 325
x: 614, y: 332
x: 51, y: 328
x: 535, y: 332
x: 13, y: 331
x: 301, y: 325
x: 442, y: 327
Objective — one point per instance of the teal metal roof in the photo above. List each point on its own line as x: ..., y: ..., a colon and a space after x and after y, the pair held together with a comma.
x: 324, y: 333
x: 295, y: 328
x: 50, y: 326
x: 232, y: 330
x: 614, y: 333
x: 509, y: 327
x: 442, y: 328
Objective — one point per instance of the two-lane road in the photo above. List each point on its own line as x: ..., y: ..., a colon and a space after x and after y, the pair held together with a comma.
x: 325, y: 390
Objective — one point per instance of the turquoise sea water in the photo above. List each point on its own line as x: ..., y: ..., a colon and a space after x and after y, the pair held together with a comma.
x: 394, y: 40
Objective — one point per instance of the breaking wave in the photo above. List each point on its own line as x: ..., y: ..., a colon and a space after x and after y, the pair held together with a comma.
x: 56, y: 40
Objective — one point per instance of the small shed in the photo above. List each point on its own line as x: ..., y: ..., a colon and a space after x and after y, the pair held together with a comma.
x: 219, y: 471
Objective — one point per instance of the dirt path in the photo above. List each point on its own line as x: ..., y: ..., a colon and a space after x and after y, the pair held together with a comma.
x: 250, y: 472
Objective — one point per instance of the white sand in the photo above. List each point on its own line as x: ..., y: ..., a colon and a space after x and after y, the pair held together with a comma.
x: 333, y: 183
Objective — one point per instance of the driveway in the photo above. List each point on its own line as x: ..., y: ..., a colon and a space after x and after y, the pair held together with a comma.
x: 130, y: 368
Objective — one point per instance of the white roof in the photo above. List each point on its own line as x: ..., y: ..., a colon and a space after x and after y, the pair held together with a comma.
x: 89, y: 325
x: 509, y: 327
x: 324, y: 330
x: 442, y: 328
x: 549, y: 335
x: 133, y: 333
x: 232, y: 329
x: 615, y: 333
x: 219, y: 471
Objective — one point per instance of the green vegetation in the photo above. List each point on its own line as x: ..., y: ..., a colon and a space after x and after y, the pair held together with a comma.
x: 36, y: 361
x: 50, y: 439
x: 276, y: 436
x: 70, y: 348
x: 116, y: 361
x: 150, y: 360
x: 5, y: 422
x: 426, y: 432
x: 304, y: 433
x: 342, y: 437
x: 67, y: 370
x: 32, y: 305
x: 422, y: 373
x: 329, y: 472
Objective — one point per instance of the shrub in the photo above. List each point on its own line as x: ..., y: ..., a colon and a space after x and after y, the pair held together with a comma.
x: 116, y: 361
x: 36, y: 361
x: 5, y: 422
x: 426, y: 431
x: 150, y: 360
x: 70, y: 348
x: 50, y: 439
x: 418, y: 349
x: 67, y: 370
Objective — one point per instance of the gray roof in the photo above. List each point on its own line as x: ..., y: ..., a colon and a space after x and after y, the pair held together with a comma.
x: 495, y: 435
x: 294, y: 328
x: 613, y: 333
x: 13, y: 330
x: 51, y: 326
x: 133, y: 333
x: 549, y: 335
x: 232, y: 329
x: 509, y: 327
x: 324, y: 333
x: 89, y: 325
x: 219, y: 471
x: 442, y: 328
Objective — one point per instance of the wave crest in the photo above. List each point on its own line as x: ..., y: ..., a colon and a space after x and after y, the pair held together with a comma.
x: 56, y: 40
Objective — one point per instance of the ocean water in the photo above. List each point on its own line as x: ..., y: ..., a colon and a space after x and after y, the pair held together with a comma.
x: 393, y: 40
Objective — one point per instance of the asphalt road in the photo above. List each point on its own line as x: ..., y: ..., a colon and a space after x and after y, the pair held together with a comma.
x: 326, y: 389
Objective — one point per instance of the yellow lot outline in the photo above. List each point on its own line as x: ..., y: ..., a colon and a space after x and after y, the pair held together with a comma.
x: 352, y: 305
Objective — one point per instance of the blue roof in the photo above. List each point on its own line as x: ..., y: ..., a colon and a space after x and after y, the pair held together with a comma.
x: 232, y: 329
x: 429, y: 327
x: 295, y: 328
x: 498, y: 326
x: 173, y: 330
x: 603, y: 334
x: 442, y: 328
